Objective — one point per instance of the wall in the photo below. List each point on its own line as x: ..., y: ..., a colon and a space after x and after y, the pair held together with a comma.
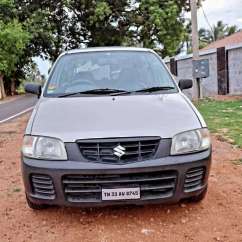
x: 235, y: 70
x: 210, y: 84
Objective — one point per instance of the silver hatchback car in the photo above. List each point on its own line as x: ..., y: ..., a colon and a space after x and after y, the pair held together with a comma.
x: 112, y: 127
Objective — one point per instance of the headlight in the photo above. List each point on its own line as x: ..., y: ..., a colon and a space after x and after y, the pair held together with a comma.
x: 38, y: 147
x: 190, y: 141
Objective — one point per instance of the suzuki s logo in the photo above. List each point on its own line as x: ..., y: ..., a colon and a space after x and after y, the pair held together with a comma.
x: 119, y: 151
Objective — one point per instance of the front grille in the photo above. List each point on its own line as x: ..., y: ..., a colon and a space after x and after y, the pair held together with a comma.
x: 88, y: 188
x: 42, y: 186
x: 135, y: 149
x: 194, y: 179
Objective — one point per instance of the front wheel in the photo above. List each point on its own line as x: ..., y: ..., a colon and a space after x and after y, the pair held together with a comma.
x: 35, y: 206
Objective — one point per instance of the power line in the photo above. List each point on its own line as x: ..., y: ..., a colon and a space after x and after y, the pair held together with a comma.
x: 206, y: 18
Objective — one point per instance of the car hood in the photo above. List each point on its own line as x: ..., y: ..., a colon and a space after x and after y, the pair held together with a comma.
x: 76, y: 118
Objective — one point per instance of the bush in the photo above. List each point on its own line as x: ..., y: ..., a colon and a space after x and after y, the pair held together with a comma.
x: 20, y: 89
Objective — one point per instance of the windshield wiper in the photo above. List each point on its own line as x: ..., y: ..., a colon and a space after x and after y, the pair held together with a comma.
x: 114, y: 92
x: 155, y: 89
x: 149, y: 89
x: 98, y: 91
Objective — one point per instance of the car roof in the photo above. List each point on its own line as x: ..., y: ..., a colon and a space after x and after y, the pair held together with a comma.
x: 113, y: 48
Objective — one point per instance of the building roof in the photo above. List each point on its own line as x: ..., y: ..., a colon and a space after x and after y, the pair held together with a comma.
x: 233, y: 39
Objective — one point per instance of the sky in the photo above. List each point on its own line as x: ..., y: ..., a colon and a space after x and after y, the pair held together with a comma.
x: 229, y: 11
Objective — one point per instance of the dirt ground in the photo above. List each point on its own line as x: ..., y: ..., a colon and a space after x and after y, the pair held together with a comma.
x: 217, y: 218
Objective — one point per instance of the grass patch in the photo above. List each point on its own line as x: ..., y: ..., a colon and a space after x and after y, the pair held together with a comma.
x: 223, y: 118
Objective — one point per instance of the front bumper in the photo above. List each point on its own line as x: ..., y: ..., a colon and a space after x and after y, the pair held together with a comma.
x: 181, y: 167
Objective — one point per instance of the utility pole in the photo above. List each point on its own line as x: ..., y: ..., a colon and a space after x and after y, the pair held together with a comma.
x: 195, y: 41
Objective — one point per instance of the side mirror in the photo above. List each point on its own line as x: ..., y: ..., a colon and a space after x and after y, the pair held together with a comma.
x: 33, y: 88
x: 185, y: 84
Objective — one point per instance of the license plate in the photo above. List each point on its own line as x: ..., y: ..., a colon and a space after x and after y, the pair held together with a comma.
x: 121, y: 193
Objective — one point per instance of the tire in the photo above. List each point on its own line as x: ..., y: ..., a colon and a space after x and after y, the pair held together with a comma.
x: 199, y: 197
x: 35, y: 206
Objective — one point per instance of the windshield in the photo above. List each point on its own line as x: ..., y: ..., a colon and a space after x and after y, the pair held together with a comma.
x: 128, y: 71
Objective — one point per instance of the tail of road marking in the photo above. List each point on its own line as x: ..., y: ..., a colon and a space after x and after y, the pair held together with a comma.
x: 16, y: 115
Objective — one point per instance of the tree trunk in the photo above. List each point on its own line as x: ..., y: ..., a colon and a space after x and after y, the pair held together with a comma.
x: 13, y: 86
x: 2, y: 89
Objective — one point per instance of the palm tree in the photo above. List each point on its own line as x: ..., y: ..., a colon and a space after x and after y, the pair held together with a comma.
x: 206, y: 36
x: 232, y: 29
x: 218, y: 31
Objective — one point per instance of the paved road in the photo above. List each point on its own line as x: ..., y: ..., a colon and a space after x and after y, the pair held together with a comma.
x: 16, y: 107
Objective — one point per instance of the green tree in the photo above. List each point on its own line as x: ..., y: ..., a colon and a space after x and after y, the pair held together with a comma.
x: 67, y: 24
x: 218, y: 31
x: 57, y: 25
x: 207, y: 36
x: 46, y: 22
x: 7, y: 12
x: 13, y: 40
x: 221, y: 30
x: 98, y: 23
x: 159, y: 24
x: 150, y: 23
